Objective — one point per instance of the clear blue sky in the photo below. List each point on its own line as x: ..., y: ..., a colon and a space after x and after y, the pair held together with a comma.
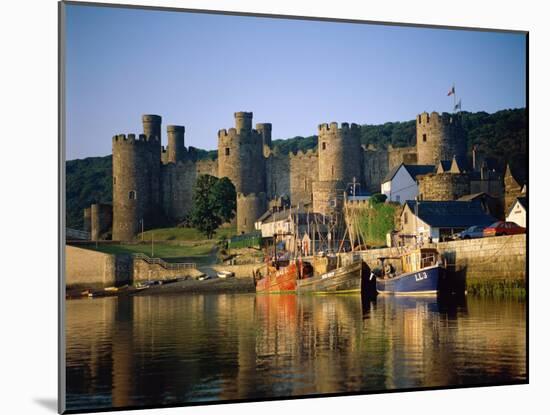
x: 197, y: 70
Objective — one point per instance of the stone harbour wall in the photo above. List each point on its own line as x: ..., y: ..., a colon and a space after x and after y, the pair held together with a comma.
x: 478, y: 265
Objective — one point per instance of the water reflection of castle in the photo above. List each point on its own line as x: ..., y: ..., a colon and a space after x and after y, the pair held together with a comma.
x: 156, y: 350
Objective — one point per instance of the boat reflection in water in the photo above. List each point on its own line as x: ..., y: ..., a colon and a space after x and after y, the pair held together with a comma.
x: 165, y: 350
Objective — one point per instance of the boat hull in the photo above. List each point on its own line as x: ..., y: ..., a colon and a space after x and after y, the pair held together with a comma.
x: 423, y: 282
x: 279, y: 280
x: 343, y: 279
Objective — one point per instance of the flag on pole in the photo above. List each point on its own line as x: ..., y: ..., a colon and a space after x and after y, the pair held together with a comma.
x: 451, y: 91
x: 458, y: 105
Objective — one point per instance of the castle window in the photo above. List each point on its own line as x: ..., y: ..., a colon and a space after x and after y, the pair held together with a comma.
x: 324, y: 146
x: 332, y: 170
x: 227, y: 151
x: 132, y: 195
x: 245, y: 221
x: 406, y: 218
x: 114, y: 179
x: 424, y: 137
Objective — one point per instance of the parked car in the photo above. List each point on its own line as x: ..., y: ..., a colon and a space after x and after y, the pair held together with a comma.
x: 503, y: 228
x: 471, y: 232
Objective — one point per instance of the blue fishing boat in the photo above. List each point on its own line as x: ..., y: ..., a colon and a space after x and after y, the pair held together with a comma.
x: 423, y: 272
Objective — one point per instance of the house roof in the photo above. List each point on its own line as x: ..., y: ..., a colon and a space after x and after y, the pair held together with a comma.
x: 413, y: 170
x: 475, y: 196
x: 301, y: 218
x: 451, y: 214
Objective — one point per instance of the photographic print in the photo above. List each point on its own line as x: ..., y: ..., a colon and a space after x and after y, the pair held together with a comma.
x: 264, y: 207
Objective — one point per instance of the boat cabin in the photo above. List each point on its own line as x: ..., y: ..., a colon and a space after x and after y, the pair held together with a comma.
x: 419, y: 258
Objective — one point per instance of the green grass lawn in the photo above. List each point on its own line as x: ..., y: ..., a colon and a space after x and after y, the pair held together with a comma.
x: 192, y: 246
x: 185, y: 234
x: 160, y: 249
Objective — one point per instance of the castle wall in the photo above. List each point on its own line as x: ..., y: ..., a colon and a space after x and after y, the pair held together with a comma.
x: 328, y: 196
x: 249, y: 208
x: 277, y: 176
x: 101, y: 220
x: 375, y: 168
x: 207, y: 166
x: 398, y: 155
x: 177, y: 189
x: 443, y: 186
x: 304, y: 170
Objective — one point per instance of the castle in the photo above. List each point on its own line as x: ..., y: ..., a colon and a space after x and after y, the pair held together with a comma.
x: 152, y: 182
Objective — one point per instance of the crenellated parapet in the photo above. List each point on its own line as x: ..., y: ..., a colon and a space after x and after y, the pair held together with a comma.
x: 300, y: 154
x: 333, y: 128
x: 131, y: 139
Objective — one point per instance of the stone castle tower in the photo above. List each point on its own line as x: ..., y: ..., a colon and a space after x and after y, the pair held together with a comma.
x: 340, y: 162
x: 241, y: 159
x: 136, y: 179
x: 439, y: 137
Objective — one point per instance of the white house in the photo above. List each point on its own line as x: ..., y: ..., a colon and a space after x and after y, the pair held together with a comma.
x: 518, y: 212
x: 400, y: 183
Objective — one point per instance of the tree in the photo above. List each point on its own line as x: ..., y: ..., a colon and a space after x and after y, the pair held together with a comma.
x: 214, y: 202
x: 224, y: 199
x: 378, y: 198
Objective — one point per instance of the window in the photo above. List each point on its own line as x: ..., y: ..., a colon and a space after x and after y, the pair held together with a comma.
x: 406, y: 218
x: 114, y: 179
x: 332, y: 170
x: 132, y: 195
x: 245, y: 221
x: 424, y: 138
x: 324, y: 145
x: 227, y: 151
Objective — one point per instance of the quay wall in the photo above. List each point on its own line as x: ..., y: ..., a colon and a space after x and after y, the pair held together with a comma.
x: 87, y: 267
x: 480, y: 265
x: 488, y: 264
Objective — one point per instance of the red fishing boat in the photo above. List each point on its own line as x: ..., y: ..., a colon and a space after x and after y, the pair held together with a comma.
x: 281, y: 275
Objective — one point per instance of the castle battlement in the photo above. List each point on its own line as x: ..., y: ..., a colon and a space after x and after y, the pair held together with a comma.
x: 331, y: 128
x: 300, y: 154
x: 434, y: 118
x: 175, y: 128
x: 131, y: 139
x: 233, y: 134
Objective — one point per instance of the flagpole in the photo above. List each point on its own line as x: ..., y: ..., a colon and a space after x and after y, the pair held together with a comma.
x: 454, y: 98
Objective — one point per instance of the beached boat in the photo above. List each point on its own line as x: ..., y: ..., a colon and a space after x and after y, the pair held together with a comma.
x: 423, y: 272
x: 340, y: 280
x: 225, y: 274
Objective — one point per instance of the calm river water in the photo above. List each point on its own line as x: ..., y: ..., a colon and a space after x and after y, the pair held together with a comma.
x: 162, y: 350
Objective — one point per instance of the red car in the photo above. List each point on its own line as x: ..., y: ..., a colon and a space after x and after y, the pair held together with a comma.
x: 503, y: 228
